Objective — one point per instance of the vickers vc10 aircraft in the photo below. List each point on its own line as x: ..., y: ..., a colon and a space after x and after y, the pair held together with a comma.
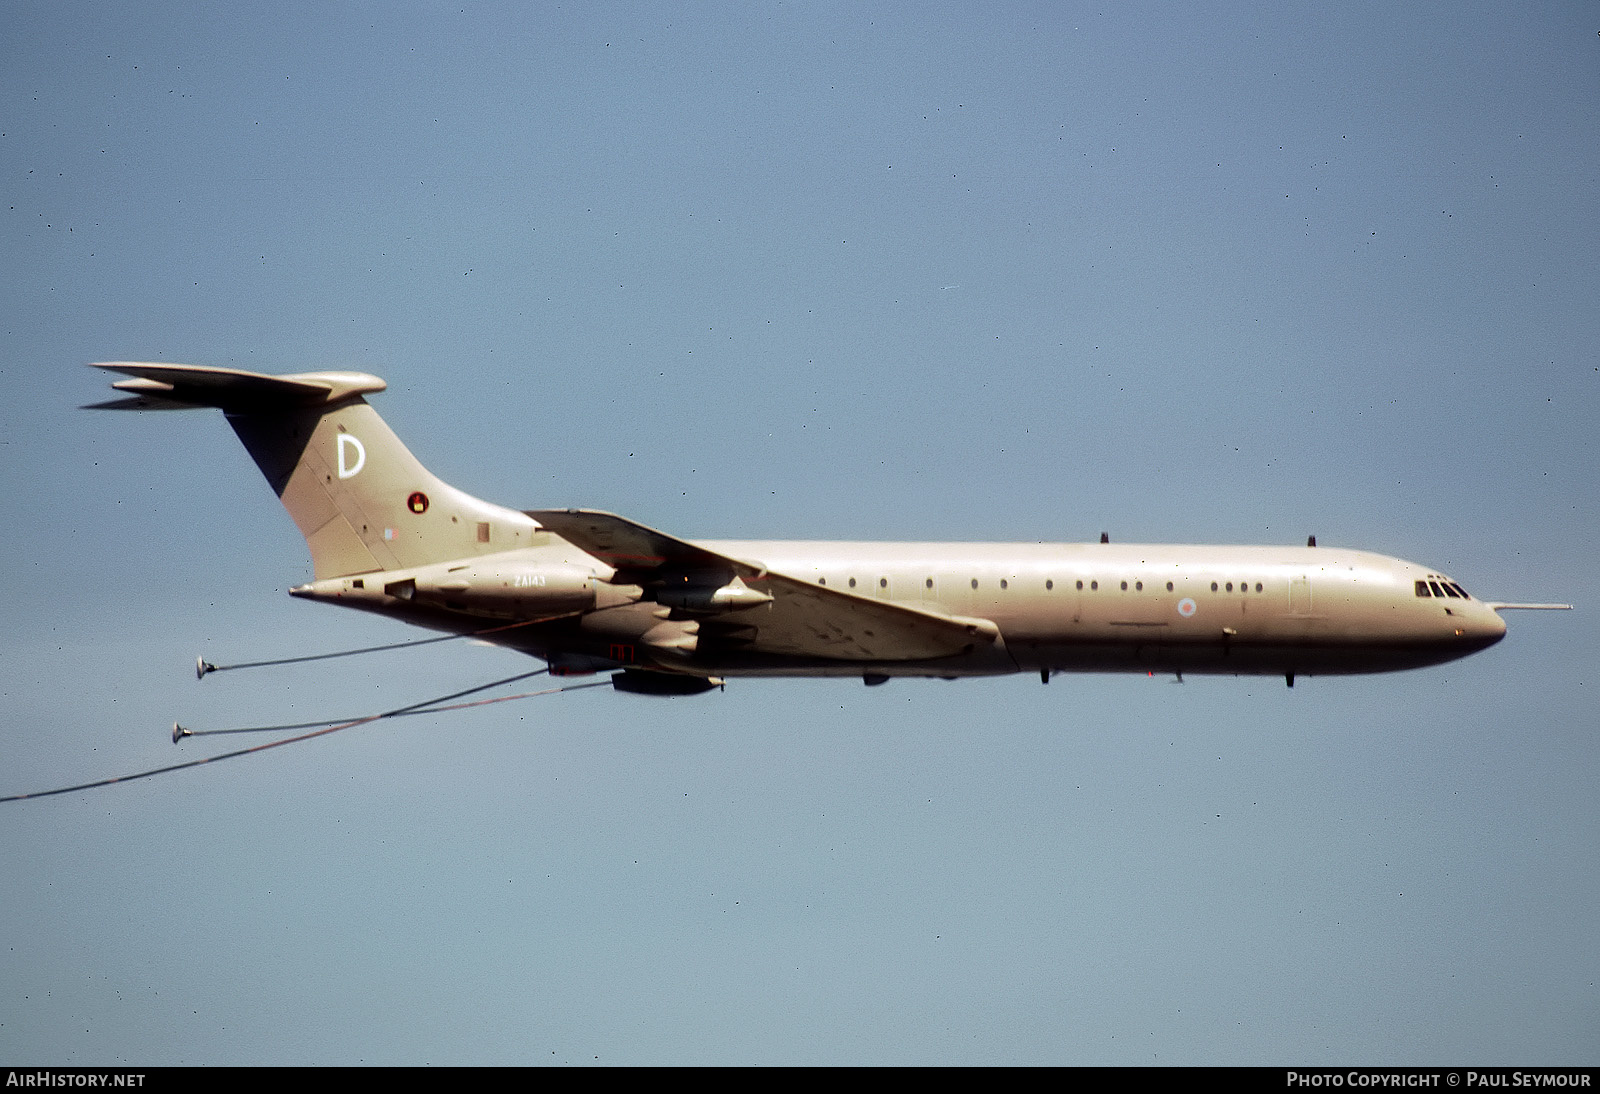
x: 589, y: 591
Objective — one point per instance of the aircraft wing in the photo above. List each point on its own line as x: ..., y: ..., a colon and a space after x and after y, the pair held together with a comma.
x: 785, y: 615
x: 638, y: 551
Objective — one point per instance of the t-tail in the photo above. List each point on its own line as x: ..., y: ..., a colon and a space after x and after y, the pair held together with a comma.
x: 357, y: 494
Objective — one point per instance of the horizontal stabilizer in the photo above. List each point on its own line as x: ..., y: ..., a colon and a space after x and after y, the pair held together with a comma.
x: 140, y: 402
x: 158, y: 386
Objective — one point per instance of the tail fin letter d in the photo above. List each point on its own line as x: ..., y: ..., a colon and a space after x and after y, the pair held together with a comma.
x: 350, y: 463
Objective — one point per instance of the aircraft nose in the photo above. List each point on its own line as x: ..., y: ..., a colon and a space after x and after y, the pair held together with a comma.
x: 1485, y: 627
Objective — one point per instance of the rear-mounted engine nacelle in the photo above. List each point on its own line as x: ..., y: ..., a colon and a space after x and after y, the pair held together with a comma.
x: 518, y: 588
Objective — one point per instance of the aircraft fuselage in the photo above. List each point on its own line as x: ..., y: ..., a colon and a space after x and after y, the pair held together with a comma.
x: 1064, y: 607
x: 1095, y: 607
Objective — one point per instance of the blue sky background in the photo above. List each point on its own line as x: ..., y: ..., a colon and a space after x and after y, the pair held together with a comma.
x: 1024, y: 272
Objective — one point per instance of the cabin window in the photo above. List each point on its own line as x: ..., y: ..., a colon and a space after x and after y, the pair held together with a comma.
x: 1080, y: 586
x: 1258, y: 586
x: 1169, y: 586
x: 1138, y: 586
x: 974, y: 583
x: 928, y: 583
x: 1003, y: 584
x: 1213, y: 586
x: 822, y: 581
x: 1094, y: 585
x: 1229, y: 586
x: 883, y: 583
x: 1124, y: 586
x: 852, y: 583
x: 1048, y: 585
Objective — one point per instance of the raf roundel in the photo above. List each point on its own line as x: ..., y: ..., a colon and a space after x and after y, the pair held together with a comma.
x: 417, y: 502
x: 1186, y: 607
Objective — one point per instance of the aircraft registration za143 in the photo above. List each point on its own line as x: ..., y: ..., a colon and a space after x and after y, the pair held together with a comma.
x: 589, y: 591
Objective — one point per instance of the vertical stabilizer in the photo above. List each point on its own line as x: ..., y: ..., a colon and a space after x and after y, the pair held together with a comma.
x: 356, y: 493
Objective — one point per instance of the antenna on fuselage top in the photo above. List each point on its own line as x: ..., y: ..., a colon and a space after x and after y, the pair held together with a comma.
x: 1105, y: 537
x: 1311, y: 541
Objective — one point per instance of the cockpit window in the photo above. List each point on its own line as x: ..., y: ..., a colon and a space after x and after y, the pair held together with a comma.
x: 1442, y: 589
x: 1422, y: 589
x: 1458, y: 589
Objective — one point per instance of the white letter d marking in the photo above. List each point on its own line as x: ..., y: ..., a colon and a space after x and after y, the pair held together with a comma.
x: 346, y: 468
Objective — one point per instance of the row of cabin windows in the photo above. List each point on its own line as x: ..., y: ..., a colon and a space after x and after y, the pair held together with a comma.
x: 1138, y: 586
x: 1442, y: 588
